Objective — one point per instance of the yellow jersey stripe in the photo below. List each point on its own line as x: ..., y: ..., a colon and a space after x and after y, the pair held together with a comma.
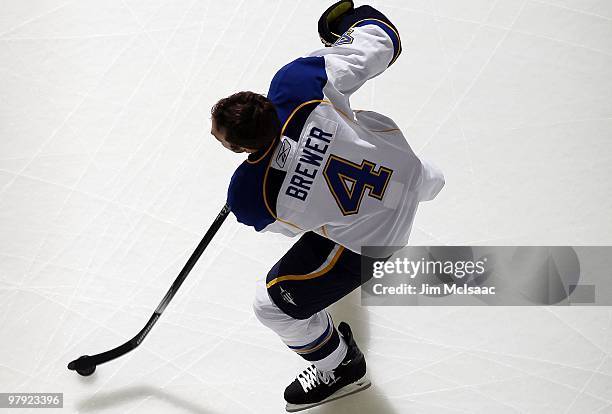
x: 310, y: 275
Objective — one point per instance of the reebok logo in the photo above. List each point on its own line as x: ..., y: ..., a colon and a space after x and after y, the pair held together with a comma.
x: 283, y: 153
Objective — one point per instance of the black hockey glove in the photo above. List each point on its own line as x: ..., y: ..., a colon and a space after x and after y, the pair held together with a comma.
x: 329, y: 30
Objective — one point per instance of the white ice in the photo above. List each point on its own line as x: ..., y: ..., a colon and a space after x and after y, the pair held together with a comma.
x: 109, y: 177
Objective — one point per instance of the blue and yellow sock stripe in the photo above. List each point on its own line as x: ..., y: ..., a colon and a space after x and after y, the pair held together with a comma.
x: 321, y: 347
x: 317, y: 343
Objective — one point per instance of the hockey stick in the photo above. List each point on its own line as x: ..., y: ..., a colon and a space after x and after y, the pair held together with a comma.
x: 86, y: 365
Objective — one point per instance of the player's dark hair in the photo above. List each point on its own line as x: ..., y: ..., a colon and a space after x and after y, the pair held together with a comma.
x: 247, y: 119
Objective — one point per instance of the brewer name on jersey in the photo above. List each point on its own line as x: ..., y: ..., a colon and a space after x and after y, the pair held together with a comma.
x: 309, y: 163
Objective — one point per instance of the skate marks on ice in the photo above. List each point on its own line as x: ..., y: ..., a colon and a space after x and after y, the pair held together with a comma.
x: 117, y: 401
x: 369, y: 400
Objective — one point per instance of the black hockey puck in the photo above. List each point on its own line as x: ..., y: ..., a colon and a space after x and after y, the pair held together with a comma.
x: 83, y: 371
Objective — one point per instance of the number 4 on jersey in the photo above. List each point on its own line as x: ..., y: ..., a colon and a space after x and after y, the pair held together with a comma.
x: 348, y: 182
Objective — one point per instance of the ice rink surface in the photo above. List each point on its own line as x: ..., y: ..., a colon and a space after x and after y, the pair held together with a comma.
x: 109, y: 178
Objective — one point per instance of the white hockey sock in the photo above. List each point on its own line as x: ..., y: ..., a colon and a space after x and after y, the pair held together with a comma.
x: 334, y: 359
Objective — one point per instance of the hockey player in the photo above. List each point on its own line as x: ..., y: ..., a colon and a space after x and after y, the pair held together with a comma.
x: 341, y: 179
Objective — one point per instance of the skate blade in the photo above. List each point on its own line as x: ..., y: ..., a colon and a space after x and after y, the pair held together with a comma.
x: 350, y: 389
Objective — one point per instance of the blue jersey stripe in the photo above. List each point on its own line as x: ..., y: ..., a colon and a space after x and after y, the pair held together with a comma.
x: 389, y: 30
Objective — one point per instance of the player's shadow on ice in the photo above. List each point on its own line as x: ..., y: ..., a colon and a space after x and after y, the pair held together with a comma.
x: 372, y: 400
x: 116, y: 401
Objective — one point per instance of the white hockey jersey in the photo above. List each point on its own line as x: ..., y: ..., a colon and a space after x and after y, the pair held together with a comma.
x: 348, y: 175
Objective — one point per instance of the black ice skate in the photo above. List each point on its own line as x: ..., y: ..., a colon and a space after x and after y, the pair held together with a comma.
x: 313, y: 387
